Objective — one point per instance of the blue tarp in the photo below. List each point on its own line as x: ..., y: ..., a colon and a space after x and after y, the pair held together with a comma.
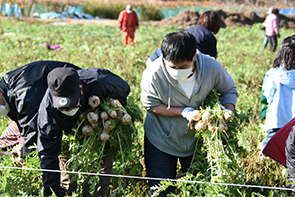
x: 290, y: 11
x: 47, y: 15
x: 72, y: 12
x: 11, y: 10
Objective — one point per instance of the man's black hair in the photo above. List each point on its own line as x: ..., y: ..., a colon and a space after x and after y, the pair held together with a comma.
x: 179, y: 46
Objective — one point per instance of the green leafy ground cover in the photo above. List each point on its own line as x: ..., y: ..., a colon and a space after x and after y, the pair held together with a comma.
x: 239, y: 51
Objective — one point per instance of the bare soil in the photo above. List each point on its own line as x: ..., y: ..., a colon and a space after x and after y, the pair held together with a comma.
x: 189, y: 18
x: 246, y: 19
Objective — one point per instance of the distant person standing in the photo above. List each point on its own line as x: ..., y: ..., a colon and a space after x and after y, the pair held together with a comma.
x: 272, y: 29
x: 128, y: 22
x: 265, y: 40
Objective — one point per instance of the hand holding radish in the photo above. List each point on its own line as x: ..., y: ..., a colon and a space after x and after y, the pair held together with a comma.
x: 187, y: 113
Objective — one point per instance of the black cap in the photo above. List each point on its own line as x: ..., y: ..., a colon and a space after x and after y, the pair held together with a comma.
x: 64, y: 87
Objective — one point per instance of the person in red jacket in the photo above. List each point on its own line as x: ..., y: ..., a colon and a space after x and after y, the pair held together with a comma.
x: 128, y: 22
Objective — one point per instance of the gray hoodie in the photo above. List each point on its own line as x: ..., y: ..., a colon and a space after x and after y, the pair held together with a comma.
x: 171, y: 134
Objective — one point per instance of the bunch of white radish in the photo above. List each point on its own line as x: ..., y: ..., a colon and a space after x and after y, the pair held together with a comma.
x: 211, y: 120
x: 106, y: 128
x: 218, y: 127
x: 104, y: 115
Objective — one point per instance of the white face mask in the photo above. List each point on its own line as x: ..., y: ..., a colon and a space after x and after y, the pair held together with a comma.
x: 180, y: 74
x: 4, y: 110
x: 70, y: 113
x: 129, y: 11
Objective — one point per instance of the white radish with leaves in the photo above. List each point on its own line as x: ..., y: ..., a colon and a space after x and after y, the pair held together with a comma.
x: 104, y: 115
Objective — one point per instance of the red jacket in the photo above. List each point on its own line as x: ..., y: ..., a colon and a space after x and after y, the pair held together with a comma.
x: 122, y: 20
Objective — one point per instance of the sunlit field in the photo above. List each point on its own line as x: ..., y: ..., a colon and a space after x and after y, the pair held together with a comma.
x: 87, y: 46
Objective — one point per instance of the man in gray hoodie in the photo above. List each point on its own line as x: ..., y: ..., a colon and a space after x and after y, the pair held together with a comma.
x: 172, y: 87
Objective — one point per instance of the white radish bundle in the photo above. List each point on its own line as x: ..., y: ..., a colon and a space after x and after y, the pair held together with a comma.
x: 96, y: 129
x: 104, y: 116
x: 217, y: 128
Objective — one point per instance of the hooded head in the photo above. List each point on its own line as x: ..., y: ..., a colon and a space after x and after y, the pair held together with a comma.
x: 129, y: 9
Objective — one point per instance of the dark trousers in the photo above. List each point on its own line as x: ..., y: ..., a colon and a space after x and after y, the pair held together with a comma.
x: 161, y: 165
x: 273, y: 42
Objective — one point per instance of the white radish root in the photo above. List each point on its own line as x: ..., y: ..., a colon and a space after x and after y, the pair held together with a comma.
x: 93, y: 101
x: 87, y: 130
x: 201, y: 125
x: 126, y: 119
x: 109, y: 124
x: 222, y: 126
x: 196, y: 115
x: 212, y: 126
x: 121, y: 113
x: 115, y: 103
x: 92, y: 117
x: 104, y: 135
x: 82, y: 116
x: 104, y: 115
x: 112, y: 113
x: 206, y: 116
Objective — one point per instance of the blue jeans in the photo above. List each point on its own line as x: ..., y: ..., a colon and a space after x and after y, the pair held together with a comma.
x: 161, y: 165
x: 265, y: 42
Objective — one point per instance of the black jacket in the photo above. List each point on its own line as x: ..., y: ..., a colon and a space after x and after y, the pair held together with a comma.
x: 52, y: 123
x: 206, y: 41
x: 24, y: 89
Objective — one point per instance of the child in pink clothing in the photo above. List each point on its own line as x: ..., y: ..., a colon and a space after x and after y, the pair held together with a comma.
x: 271, y: 24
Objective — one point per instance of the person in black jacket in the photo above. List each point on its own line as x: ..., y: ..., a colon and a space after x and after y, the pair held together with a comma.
x: 208, y: 24
x: 21, y: 92
x: 66, y: 97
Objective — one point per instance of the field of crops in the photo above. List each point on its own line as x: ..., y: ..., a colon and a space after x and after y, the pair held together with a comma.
x: 239, y: 51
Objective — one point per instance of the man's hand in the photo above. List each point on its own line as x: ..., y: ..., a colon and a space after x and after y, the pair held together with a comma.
x: 16, y: 154
x: 17, y: 150
x: 228, y: 114
x: 187, y: 113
